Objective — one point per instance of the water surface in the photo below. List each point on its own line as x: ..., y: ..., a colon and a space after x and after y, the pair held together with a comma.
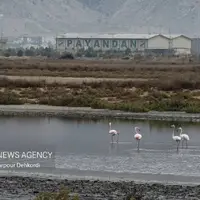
x: 83, y: 147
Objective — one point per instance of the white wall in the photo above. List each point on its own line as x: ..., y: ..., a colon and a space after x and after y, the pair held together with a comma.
x: 181, y: 43
x: 158, y: 42
x: 182, y: 51
x: 195, y: 46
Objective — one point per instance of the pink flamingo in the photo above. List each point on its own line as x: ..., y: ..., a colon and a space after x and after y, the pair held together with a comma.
x: 184, y: 137
x: 113, y: 133
x: 137, y: 136
x: 176, y: 137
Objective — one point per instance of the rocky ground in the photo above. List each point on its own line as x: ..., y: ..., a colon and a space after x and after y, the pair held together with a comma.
x: 26, y: 188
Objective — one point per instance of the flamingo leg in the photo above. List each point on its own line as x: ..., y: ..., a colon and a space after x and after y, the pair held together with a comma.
x: 182, y: 143
x: 112, y: 138
x: 186, y: 144
x: 178, y: 142
x: 117, y: 138
x: 138, y: 145
x: 112, y: 145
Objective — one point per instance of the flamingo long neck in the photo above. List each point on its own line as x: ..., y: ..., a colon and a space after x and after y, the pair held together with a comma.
x: 173, y: 132
x: 110, y: 126
x: 136, y: 130
x: 181, y: 131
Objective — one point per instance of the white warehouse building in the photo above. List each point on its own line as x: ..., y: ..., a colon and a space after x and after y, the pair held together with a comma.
x: 181, y: 44
x: 72, y: 42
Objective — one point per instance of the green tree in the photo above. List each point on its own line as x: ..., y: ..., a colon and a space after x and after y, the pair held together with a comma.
x: 20, y: 53
x: 127, y: 52
x: 90, y: 53
x: 29, y: 52
x: 7, y: 54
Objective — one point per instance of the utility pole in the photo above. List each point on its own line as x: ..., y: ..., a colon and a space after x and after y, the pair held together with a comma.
x: 149, y: 30
x: 1, y: 40
x: 160, y: 29
x: 1, y: 17
x: 198, y: 49
x: 170, y: 42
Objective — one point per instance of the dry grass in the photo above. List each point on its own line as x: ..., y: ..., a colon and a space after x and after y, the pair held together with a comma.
x: 97, y: 68
x: 170, y: 84
x: 166, y: 86
x: 135, y: 96
x: 63, y: 194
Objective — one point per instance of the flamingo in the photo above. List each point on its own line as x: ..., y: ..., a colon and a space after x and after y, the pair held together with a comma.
x: 175, y: 137
x: 137, y: 136
x: 184, y: 137
x: 113, y: 133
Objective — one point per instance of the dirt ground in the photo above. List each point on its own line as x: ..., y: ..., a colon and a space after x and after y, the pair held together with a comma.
x: 65, y: 80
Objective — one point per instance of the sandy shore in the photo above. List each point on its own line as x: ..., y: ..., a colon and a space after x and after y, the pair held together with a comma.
x: 80, y: 112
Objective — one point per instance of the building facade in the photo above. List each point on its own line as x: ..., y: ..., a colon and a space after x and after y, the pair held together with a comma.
x: 121, y: 42
x: 158, y: 42
x: 195, y: 49
x: 104, y: 42
x: 180, y: 44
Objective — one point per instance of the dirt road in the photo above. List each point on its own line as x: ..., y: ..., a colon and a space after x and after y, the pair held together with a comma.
x: 64, y: 80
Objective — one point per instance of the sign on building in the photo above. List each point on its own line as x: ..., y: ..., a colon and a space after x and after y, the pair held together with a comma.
x: 101, y: 44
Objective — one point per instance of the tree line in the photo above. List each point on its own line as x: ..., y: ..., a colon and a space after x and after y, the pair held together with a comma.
x: 51, y: 52
x: 41, y: 51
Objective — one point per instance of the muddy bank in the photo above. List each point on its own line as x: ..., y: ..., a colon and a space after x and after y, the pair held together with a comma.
x: 80, y: 112
x: 26, y: 187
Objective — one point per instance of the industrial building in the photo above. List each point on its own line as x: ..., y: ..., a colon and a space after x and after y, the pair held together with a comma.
x: 180, y: 44
x: 3, y: 43
x: 195, y: 49
x: 26, y: 42
x: 72, y: 42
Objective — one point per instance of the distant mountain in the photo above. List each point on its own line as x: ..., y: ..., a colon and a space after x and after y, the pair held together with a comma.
x: 45, y: 16
x: 51, y: 17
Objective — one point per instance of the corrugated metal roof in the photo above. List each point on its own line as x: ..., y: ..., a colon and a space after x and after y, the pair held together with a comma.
x: 174, y: 35
x: 117, y: 36
x: 171, y: 35
x: 106, y: 36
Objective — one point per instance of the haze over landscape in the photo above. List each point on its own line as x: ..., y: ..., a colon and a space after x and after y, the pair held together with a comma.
x: 51, y: 17
x: 107, y: 115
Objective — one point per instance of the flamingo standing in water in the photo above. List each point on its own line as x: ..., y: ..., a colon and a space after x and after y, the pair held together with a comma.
x: 184, y: 137
x: 137, y: 136
x: 113, y: 133
x: 175, y: 137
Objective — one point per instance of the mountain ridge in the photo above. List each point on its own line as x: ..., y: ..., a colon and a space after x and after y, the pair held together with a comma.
x: 52, y: 17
